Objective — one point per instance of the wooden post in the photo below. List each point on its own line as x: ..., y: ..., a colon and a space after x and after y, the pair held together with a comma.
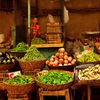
x: 29, y: 16
x: 14, y: 27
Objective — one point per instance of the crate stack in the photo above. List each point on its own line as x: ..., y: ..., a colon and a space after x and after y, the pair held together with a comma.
x: 53, y: 33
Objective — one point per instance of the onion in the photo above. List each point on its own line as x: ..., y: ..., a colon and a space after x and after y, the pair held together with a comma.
x: 72, y: 62
x: 70, y: 59
x: 57, y: 54
x: 50, y: 63
x: 47, y: 62
x: 65, y: 61
x: 59, y: 64
x: 65, y: 53
x: 55, y: 63
x: 61, y: 61
x: 56, y: 58
x: 51, y: 59
x: 61, y: 55
x: 53, y: 56
x: 61, y: 50
x: 65, y: 57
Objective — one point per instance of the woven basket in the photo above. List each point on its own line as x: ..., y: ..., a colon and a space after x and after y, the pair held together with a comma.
x: 32, y: 65
x: 19, y: 97
x: 79, y: 63
x: 19, y: 89
x: 56, y: 86
x: 67, y: 68
x: 17, y: 54
x: 7, y: 66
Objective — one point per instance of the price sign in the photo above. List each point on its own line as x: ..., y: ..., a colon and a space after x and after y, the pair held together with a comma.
x: 13, y: 74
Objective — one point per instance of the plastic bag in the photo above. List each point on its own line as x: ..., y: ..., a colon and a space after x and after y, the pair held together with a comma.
x: 50, y: 18
x: 66, y: 16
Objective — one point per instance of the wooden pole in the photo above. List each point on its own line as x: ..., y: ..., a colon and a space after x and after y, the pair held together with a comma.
x: 29, y: 17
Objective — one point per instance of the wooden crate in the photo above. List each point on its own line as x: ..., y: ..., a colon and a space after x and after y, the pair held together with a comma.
x: 54, y: 27
x: 53, y: 38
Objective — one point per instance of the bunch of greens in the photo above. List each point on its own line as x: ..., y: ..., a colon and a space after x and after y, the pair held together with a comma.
x: 32, y: 54
x: 20, y: 79
x: 89, y: 57
x: 55, y: 77
x: 38, y: 41
x: 20, y: 47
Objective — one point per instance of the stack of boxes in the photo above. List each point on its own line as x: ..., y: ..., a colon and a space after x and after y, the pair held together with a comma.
x: 53, y: 33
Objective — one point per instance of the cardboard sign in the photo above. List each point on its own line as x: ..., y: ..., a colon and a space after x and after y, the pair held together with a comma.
x: 13, y: 74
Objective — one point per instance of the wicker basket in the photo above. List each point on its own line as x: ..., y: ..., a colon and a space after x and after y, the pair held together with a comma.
x: 56, y: 86
x: 32, y: 65
x: 67, y: 68
x: 18, y: 97
x: 20, y: 89
x: 7, y: 66
x: 79, y: 63
x: 17, y: 54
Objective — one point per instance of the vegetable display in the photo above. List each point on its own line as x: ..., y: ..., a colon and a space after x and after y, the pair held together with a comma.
x: 38, y: 41
x: 90, y: 73
x: 20, y: 47
x: 61, y: 58
x: 6, y: 58
x: 20, y: 79
x: 32, y: 54
x: 88, y: 57
x: 54, y: 77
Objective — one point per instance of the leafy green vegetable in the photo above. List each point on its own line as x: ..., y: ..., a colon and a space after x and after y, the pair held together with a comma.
x: 20, y: 79
x: 38, y: 41
x: 32, y: 54
x: 55, y: 77
x: 89, y: 57
x: 20, y: 47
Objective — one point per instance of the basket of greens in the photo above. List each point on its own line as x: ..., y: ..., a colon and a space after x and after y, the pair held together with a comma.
x: 20, y: 50
x: 88, y: 57
x: 55, y: 79
x: 20, y: 84
x: 32, y: 60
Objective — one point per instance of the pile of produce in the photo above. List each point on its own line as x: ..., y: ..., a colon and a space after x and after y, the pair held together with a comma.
x: 61, y: 58
x: 90, y: 73
x: 20, y: 47
x: 6, y: 58
x: 88, y: 57
x: 54, y: 77
x: 32, y: 54
x: 20, y: 79
x: 38, y: 41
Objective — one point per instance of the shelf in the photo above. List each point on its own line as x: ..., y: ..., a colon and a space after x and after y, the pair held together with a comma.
x: 49, y: 45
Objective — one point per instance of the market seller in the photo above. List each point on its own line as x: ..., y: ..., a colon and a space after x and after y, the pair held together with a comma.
x: 35, y: 28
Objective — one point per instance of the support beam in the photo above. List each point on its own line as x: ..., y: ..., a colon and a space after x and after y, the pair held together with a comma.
x: 29, y: 17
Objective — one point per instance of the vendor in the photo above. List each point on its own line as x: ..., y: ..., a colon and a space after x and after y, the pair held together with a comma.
x: 35, y: 28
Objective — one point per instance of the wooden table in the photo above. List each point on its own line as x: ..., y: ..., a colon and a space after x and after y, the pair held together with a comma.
x: 64, y: 92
